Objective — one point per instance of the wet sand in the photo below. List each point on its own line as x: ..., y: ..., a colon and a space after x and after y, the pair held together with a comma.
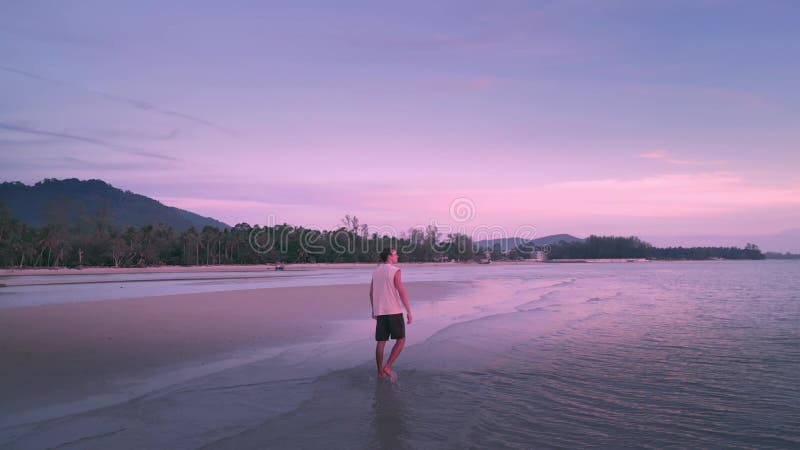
x: 229, y: 268
x: 62, y: 352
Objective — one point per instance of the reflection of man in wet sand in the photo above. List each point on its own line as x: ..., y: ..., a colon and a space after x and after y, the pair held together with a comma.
x: 388, y: 297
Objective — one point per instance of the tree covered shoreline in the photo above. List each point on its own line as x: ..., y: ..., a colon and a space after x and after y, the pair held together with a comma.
x: 96, y: 243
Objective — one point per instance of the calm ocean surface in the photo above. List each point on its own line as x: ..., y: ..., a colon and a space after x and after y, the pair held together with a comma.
x: 648, y: 355
x: 622, y: 355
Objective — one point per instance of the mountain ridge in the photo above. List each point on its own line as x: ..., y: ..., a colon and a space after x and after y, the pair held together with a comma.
x: 72, y: 201
x: 507, y: 244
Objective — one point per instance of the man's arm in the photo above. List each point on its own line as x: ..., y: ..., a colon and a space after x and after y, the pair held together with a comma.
x: 398, y: 283
x: 371, y: 304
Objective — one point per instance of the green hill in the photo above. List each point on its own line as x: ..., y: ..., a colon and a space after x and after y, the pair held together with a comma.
x: 73, y: 201
x: 507, y: 244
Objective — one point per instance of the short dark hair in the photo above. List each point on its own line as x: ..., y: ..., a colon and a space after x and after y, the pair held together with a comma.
x: 385, y: 253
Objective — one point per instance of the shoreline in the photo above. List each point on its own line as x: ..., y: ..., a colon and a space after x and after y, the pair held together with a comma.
x: 66, y: 354
x: 254, y: 268
x: 257, y: 268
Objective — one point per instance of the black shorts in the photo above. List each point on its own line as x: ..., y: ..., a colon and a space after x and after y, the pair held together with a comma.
x: 390, y: 325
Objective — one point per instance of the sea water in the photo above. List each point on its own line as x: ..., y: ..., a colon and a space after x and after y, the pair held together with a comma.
x: 617, y: 355
x: 647, y: 355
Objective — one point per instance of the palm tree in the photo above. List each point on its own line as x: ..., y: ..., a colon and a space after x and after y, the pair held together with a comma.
x: 191, y: 239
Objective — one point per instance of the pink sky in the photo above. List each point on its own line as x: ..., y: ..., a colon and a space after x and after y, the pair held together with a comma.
x: 564, y: 117
x: 707, y: 203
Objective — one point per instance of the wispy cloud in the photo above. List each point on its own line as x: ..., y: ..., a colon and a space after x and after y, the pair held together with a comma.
x: 72, y: 162
x: 50, y: 36
x: 146, y: 106
x: 503, y: 31
x: 712, y: 197
x: 653, y: 155
x: 89, y: 140
x: 134, y: 103
x: 669, y: 159
x: 130, y: 134
x: 479, y: 83
x: 661, y: 196
x: 28, y: 142
x: 433, y: 42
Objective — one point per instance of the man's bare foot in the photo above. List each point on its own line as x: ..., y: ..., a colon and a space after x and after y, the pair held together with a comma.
x: 388, y: 372
x: 381, y: 373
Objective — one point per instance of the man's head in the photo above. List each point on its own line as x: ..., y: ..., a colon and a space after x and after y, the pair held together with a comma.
x: 389, y: 255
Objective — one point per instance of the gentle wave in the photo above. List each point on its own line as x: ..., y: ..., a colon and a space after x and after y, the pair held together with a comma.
x: 654, y: 358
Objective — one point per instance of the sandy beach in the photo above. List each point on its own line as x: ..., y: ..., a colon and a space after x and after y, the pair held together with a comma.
x: 560, y: 355
x: 174, y: 269
x: 227, y: 268
x: 64, y: 352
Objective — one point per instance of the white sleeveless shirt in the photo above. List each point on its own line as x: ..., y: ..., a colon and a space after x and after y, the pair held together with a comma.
x: 385, y: 298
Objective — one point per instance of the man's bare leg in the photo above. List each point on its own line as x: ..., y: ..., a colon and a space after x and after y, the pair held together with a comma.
x: 398, y: 347
x: 379, y: 356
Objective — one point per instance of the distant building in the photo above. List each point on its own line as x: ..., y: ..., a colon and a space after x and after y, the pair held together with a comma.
x: 539, y: 255
x: 440, y: 257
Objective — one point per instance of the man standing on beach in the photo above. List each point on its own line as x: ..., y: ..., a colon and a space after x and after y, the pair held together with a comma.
x: 388, y: 297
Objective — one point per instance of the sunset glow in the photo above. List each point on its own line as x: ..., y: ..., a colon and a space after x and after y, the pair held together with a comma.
x: 612, y: 118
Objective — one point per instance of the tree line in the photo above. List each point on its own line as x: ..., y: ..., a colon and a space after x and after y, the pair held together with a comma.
x: 613, y: 247
x: 93, y: 242
x: 786, y: 255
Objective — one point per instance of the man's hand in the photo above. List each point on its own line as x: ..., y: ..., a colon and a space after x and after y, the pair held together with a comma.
x: 409, y: 318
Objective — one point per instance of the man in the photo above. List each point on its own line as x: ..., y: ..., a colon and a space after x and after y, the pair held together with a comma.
x: 388, y: 298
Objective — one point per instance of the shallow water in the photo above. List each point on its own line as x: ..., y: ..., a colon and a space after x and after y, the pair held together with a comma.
x: 647, y: 355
